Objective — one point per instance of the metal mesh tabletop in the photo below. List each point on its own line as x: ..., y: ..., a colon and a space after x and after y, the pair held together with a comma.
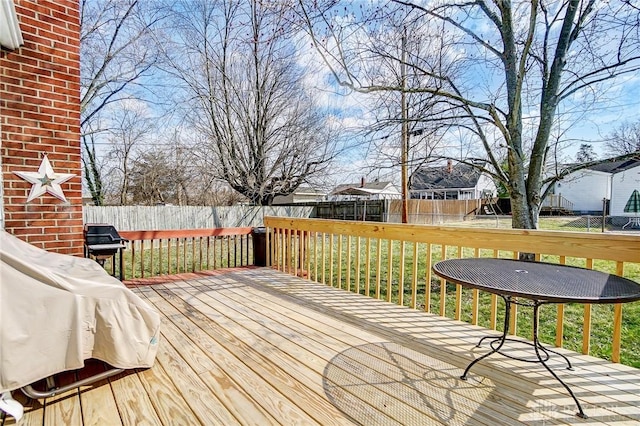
x: 539, y: 281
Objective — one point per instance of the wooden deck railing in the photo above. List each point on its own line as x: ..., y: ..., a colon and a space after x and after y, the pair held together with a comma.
x: 556, y: 202
x: 393, y: 261
x: 160, y: 252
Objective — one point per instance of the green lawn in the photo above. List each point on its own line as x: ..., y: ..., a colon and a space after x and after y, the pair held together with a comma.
x: 557, y: 223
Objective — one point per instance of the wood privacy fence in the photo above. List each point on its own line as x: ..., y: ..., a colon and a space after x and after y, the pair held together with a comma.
x: 420, y: 211
x: 132, y: 218
x: 433, y: 212
x: 393, y: 262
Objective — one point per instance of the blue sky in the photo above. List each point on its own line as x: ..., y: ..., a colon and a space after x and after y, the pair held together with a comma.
x: 589, y: 116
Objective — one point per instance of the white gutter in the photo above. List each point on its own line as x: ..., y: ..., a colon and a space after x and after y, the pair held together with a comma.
x: 10, y: 35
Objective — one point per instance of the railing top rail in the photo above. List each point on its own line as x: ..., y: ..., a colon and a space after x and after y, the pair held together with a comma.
x: 184, y: 233
x: 624, y: 248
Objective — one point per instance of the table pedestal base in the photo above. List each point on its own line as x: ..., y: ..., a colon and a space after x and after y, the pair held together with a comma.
x: 542, y: 353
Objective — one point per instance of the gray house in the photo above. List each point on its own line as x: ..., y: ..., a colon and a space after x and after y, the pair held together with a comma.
x: 451, y: 182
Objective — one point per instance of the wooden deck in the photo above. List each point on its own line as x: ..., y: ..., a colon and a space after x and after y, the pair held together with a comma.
x: 259, y: 347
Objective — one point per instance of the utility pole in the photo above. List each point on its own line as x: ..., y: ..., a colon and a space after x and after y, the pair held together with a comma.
x: 405, y: 132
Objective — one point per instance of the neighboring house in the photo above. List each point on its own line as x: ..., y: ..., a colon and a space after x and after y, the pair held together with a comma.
x: 612, y: 180
x: 451, y: 182
x: 365, y: 191
x: 300, y: 195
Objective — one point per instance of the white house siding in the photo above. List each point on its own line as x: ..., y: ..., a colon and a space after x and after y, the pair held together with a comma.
x: 622, y: 186
x: 585, y: 189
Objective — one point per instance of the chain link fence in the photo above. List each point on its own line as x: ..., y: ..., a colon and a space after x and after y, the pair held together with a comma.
x: 585, y: 223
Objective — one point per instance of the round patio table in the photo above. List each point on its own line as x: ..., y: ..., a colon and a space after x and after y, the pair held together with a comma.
x: 538, y: 284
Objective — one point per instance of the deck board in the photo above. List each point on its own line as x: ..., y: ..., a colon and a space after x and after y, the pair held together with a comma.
x: 260, y: 347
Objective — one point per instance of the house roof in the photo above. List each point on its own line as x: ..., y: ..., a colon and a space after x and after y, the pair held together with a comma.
x: 461, y: 176
x: 305, y: 190
x: 614, y: 167
x: 368, y: 188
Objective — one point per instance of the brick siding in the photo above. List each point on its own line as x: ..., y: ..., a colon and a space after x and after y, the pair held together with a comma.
x: 40, y: 114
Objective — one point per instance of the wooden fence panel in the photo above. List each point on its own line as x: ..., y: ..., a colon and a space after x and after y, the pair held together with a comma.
x: 133, y: 218
x: 433, y: 212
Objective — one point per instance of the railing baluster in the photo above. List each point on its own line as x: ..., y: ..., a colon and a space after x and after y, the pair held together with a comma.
x: 285, y: 246
x: 617, y: 322
x: 307, y: 255
x: 235, y: 251
x: 208, y: 257
x: 178, y: 254
x: 133, y: 259
x: 169, y: 249
x: 443, y: 285
x: 389, y: 268
x: 278, y: 249
x: 427, y: 284
x: 357, y: 277
x: 331, y: 259
x: 348, y: 276
x: 295, y: 251
x: 586, y: 323
x: 513, y: 323
x: 142, y: 259
x: 184, y: 254
x: 367, y: 262
x: 414, y: 277
x: 287, y: 251
x: 339, y: 265
x: 401, y: 274
x: 160, y: 270
x: 494, y: 304
x: 458, y: 308
x: 324, y: 265
x: 151, y: 257
x: 475, y: 304
x: 378, y: 266
x: 560, y: 315
x: 315, y: 256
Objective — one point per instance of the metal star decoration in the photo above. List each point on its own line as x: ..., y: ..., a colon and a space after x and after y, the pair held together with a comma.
x: 45, y: 180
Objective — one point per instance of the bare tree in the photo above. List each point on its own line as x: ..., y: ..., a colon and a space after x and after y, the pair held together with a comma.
x: 131, y: 127
x: 157, y: 176
x: 506, y: 68
x: 116, y: 51
x: 255, y: 124
x: 625, y: 139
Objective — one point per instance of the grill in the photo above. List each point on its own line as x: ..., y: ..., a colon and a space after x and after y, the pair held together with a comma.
x: 102, y: 242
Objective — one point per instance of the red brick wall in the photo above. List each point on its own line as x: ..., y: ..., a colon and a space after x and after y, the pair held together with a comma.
x: 40, y: 114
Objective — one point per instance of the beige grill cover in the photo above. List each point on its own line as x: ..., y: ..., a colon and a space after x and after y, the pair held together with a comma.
x: 58, y: 310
